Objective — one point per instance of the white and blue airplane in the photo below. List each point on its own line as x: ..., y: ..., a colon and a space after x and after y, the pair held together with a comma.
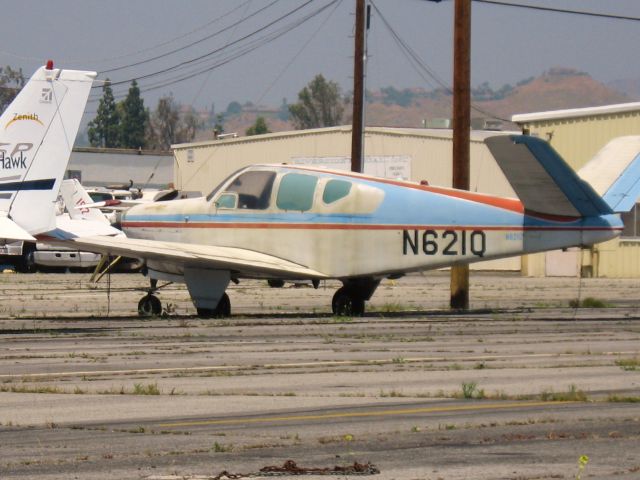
x: 37, y: 132
x: 295, y: 222
x: 278, y: 221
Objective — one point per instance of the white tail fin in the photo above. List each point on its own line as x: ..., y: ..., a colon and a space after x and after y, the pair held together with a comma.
x: 75, y: 197
x: 614, y: 172
x: 37, y: 132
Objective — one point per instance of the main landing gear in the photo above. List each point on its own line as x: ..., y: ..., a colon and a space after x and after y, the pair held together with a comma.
x: 349, y: 300
x: 223, y: 309
x: 150, y: 305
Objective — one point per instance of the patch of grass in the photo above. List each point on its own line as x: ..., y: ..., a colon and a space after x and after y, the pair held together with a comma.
x: 221, y: 447
x: 471, y: 390
x: 589, y: 302
x: 629, y: 364
x: 149, y: 389
x: 572, y: 395
x: 617, y: 399
x: 392, y: 307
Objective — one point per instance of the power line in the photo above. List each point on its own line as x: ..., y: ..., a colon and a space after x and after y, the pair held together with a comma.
x: 213, y: 52
x: 239, y: 51
x: 189, y: 45
x: 559, y: 10
x: 414, y: 59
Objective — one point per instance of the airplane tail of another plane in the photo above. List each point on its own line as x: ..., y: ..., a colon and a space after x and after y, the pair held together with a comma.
x: 614, y: 173
x: 543, y: 181
x: 37, y: 132
x: 76, y: 199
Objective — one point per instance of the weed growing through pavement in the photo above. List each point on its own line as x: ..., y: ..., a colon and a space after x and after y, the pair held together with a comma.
x: 149, y: 389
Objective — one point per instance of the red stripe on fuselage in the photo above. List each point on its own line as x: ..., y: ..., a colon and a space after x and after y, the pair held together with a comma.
x: 344, y: 226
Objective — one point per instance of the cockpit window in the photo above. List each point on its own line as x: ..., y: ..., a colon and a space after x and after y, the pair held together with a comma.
x: 253, y: 189
x: 334, y: 190
x: 296, y: 192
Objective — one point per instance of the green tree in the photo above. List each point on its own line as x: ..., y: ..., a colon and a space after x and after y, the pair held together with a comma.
x: 134, y: 119
x: 234, y: 108
x: 11, y: 82
x: 104, y: 130
x: 319, y: 105
x: 259, y: 127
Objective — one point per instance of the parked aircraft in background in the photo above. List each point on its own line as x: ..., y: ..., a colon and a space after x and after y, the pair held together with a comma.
x: 37, y: 132
x: 294, y: 222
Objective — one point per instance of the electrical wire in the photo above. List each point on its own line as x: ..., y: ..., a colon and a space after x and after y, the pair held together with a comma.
x: 240, y: 51
x: 293, y: 59
x: 212, y: 52
x: 206, y: 80
x: 559, y: 10
x: 415, y: 60
x: 189, y: 45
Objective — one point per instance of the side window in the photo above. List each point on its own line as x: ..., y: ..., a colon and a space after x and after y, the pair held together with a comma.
x: 253, y: 189
x: 296, y: 192
x: 227, y: 200
x: 334, y: 190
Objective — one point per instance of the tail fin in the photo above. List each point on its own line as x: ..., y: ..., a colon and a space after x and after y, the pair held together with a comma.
x: 37, y: 132
x: 75, y: 197
x: 614, y: 173
x: 542, y: 179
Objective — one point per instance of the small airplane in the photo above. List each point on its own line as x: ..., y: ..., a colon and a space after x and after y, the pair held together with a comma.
x: 37, y: 132
x: 296, y: 223
x: 286, y: 222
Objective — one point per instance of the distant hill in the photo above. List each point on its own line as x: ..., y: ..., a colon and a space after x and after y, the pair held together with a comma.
x: 558, y: 88
x: 628, y: 86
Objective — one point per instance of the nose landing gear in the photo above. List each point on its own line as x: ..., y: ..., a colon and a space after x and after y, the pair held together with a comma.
x: 349, y: 300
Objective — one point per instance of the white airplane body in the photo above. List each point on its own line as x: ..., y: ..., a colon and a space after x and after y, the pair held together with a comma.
x: 293, y: 222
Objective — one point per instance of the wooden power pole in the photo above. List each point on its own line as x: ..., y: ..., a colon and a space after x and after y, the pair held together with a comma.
x: 461, y: 125
x: 358, y: 89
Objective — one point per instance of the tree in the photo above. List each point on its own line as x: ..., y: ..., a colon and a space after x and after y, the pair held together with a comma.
x: 165, y: 122
x: 169, y: 127
x: 11, y: 82
x: 234, y: 108
x: 319, y: 105
x: 259, y: 127
x: 134, y: 118
x: 104, y: 130
x: 283, y: 111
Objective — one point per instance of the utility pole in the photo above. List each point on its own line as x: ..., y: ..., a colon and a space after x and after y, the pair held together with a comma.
x: 357, y: 129
x: 461, y: 125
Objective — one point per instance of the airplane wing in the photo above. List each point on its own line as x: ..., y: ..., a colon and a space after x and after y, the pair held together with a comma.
x: 236, y: 260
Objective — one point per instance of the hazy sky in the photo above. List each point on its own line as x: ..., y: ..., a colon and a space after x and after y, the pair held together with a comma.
x: 508, y: 44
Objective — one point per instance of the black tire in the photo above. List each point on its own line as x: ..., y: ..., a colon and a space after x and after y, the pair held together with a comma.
x: 344, y: 304
x: 275, y: 283
x: 149, y: 306
x: 28, y: 263
x: 223, y: 310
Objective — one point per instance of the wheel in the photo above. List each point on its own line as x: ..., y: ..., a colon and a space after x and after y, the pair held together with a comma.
x: 222, y: 310
x: 275, y: 283
x: 28, y: 264
x: 345, y: 304
x: 149, y: 305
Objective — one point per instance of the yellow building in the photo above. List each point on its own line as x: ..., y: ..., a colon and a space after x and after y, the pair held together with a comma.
x: 578, y: 134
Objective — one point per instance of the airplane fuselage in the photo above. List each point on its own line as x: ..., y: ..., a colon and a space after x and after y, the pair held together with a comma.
x: 347, y: 225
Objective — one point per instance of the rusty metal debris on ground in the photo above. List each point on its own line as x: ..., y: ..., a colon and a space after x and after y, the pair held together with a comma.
x: 291, y: 468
